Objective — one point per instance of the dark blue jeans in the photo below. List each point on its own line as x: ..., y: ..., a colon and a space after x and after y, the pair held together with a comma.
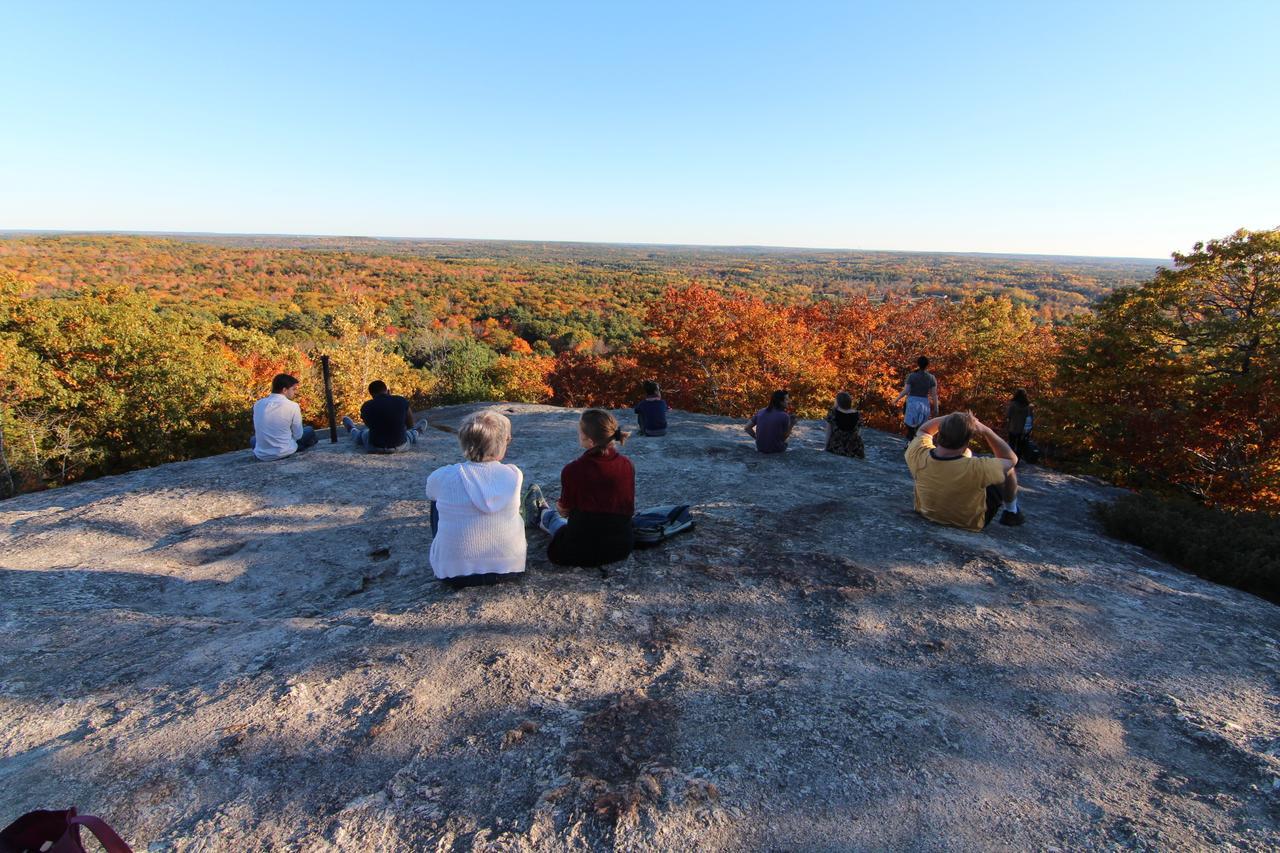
x: 650, y: 432
x: 360, y: 435
x: 309, y: 439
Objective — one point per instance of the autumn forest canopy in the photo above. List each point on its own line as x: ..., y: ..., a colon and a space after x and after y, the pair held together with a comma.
x: 122, y: 351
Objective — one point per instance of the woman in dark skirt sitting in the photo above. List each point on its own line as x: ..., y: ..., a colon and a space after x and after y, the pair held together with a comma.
x: 591, y: 524
x: 843, y: 435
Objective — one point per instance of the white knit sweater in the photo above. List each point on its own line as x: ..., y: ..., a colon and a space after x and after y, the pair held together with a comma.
x: 480, y: 525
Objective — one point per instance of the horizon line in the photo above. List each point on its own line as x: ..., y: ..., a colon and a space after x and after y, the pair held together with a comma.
x: 624, y: 244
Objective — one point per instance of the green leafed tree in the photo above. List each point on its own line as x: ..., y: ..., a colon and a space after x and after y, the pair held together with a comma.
x: 106, y: 380
x: 465, y: 371
x: 360, y: 351
x: 1175, y: 381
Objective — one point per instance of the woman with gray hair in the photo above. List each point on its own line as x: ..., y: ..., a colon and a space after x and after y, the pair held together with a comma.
x: 476, y: 527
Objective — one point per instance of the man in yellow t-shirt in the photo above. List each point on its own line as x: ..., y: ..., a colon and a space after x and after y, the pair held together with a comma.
x: 955, y: 487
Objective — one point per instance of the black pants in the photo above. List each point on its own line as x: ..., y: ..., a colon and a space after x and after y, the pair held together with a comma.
x: 995, y: 500
x: 650, y: 432
x: 486, y: 579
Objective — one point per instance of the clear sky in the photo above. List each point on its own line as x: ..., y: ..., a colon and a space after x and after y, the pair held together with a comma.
x: 1116, y: 128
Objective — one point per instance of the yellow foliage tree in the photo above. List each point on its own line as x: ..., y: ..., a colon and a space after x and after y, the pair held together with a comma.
x: 359, y: 353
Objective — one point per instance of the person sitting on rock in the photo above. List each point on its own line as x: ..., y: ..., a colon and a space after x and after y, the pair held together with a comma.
x: 921, y: 393
x: 477, y: 533
x: 843, y: 435
x: 277, y: 422
x: 389, y: 425
x: 772, y: 425
x: 955, y: 487
x: 591, y: 523
x: 651, y: 412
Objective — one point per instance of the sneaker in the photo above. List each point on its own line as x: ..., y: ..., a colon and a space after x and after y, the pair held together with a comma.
x: 534, y: 505
x: 1012, y: 519
x: 421, y: 426
x: 348, y: 423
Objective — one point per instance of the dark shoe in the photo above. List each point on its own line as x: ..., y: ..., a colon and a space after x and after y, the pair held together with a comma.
x: 421, y: 426
x: 534, y: 505
x: 1012, y: 519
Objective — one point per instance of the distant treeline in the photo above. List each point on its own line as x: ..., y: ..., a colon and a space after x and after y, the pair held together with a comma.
x: 126, y: 351
x: 564, y: 286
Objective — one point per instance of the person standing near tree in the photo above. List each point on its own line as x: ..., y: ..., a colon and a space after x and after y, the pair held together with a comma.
x: 1018, y: 420
x: 921, y: 393
x: 277, y: 422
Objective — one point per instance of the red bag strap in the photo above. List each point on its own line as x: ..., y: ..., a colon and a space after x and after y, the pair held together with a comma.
x: 111, y: 842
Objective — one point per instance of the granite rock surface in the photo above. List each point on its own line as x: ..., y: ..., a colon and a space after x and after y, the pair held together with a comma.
x: 226, y: 654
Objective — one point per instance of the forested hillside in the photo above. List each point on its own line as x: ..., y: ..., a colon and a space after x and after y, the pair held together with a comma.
x: 480, y: 276
x: 121, y: 351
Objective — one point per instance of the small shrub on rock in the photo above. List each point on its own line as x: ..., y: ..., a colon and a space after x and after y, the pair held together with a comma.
x: 1240, y: 549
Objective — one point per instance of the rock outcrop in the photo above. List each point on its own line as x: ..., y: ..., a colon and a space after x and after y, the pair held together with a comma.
x: 233, y: 655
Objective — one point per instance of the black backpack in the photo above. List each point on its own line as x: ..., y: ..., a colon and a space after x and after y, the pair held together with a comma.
x: 660, y: 523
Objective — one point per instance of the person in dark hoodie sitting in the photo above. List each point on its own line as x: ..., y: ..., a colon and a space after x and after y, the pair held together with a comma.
x: 651, y: 412
x: 591, y: 523
x: 389, y: 425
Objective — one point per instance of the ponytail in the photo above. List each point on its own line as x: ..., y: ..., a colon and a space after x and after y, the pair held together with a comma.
x: 602, y: 428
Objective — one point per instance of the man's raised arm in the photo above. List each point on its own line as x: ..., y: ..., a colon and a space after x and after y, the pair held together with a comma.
x: 930, y: 427
x: 998, y: 445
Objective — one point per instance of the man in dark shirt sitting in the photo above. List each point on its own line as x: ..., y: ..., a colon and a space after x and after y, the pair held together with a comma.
x: 651, y: 412
x: 389, y: 424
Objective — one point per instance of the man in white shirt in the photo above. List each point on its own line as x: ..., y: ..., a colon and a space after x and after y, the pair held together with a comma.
x: 277, y: 422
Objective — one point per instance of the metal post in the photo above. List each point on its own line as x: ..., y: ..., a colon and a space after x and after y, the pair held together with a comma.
x: 328, y: 399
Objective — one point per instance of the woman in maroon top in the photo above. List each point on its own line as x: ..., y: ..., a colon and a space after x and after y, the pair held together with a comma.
x: 591, y: 524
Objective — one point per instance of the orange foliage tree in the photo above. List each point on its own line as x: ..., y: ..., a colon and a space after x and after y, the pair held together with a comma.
x: 522, y: 378
x: 583, y: 378
x: 874, y: 345
x: 725, y: 353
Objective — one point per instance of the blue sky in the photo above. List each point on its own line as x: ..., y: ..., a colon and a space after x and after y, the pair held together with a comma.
x: 1119, y: 128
